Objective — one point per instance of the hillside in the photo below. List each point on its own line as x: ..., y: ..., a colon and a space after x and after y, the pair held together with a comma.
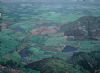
x: 87, y: 27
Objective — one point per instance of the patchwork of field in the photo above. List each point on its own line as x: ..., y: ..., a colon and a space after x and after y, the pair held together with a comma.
x: 43, y: 35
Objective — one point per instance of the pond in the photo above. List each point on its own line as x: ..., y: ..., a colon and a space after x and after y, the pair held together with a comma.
x: 69, y: 49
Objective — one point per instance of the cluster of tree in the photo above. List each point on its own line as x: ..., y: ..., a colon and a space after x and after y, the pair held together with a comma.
x: 53, y: 65
x: 89, y: 62
x: 10, y: 66
x: 80, y: 62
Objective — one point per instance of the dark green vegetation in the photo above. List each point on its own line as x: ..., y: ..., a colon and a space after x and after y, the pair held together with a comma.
x: 52, y: 65
x: 87, y: 61
x: 46, y: 37
x: 80, y: 62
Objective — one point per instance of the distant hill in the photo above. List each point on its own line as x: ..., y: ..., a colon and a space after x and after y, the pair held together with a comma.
x: 84, y: 27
